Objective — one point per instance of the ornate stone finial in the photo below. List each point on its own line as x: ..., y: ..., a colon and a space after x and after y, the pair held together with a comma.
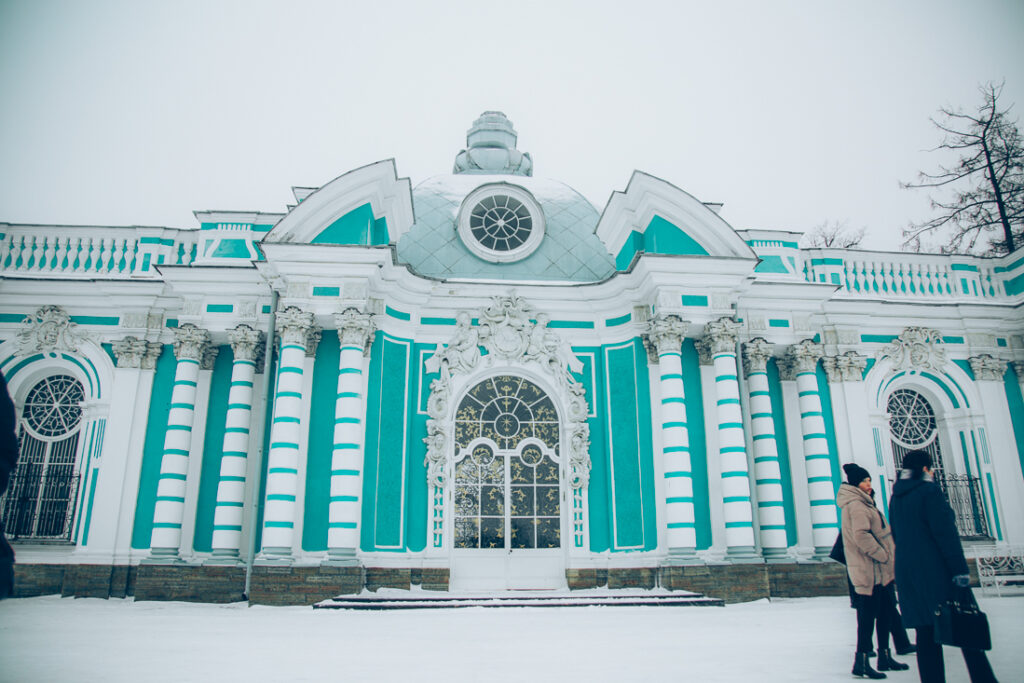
x: 916, y: 349
x: 50, y: 330
x: 355, y: 328
x: 805, y: 355
x: 721, y: 335
x: 665, y: 334
x: 246, y: 343
x: 190, y: 342
x: 293, y: 325
x: 491, y: 143
x: 987, y: 368
x: 129, y: 352
x: 756, y: 353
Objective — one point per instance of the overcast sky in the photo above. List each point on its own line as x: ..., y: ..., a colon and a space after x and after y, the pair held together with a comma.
x: 791, y: 113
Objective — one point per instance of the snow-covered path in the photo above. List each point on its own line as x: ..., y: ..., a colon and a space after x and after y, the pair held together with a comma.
x: 54, y: 639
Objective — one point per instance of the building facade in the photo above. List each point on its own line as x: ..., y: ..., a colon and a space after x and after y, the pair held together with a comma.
x: 484, y: 383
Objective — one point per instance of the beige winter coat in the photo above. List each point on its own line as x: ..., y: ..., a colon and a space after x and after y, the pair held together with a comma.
x: 867, y: 541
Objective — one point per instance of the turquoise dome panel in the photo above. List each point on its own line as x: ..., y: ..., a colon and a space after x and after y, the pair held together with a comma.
x: 570, y: 251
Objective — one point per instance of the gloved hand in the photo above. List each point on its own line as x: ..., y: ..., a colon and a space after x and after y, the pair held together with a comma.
x: 962, y: 580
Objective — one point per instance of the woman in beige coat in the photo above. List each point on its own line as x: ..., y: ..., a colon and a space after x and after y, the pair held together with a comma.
x: 870, y: 553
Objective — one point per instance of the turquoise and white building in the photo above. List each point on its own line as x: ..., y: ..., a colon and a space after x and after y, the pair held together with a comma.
x: 487, y: 379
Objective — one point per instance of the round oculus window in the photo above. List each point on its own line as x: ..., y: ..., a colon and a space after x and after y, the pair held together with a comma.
x: 501, y: 223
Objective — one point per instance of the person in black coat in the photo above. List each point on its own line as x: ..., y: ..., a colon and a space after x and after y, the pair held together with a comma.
x: 8, y: 458
x: 929, y: 564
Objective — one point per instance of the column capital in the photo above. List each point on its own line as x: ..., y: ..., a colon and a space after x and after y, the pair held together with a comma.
x: 987, y: 368
x: 129, y: 352
x: 355, y: 328
x: 246, y: 343
x: 190, y: 342
x: 294, y: 325
x: 313, y: 340
x: 787, y: 368
x: 846, y: 367
x: 805, y: 355
x: 721, y: 335
x: 665, y: 334
x: 756, y: 353
x: 1018, y: 367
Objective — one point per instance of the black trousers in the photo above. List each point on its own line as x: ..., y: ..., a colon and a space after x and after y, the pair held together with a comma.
x: 872, y: 615
x: 932, y: 667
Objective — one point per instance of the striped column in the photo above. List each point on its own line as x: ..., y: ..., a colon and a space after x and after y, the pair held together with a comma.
x: 247, y: 347
x: 824, y: 523
x: 665, y: 334
x: 279, y: 509
x: 720, y: 336
x: 190, y: 346
x: 771, y: 516
x: 355, y: 332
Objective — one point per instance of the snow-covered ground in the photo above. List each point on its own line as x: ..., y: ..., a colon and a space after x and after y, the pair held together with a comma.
x: 55, y: 639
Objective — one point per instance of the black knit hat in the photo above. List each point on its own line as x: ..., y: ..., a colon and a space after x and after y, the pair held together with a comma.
x: 917, y: 460
x: 855, y: 474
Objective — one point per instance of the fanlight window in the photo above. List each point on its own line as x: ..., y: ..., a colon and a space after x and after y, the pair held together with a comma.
x: 911, y: 418
x: 39, y: 502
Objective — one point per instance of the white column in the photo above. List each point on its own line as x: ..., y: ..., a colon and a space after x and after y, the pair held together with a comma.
x: 824, y: 522
x: 771, y: 514
x: 189, y: 346
x: 279, y: 510
x: 732, y: 445
x: 665, y: 334
x: 247, y: 348
x: 998, y: 449
x: 355, y: 333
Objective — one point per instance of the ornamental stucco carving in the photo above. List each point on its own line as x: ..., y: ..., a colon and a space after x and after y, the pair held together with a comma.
x: 987, y: 368
x: 1018, y: 367
x: 846, y: 367
x: 355, y: 328
x: 507, y: 333
x: 756, y: 353
x: 665, y: 334
x: 294, y: 325
x: 805, y: 355
x: 721, y: 335
x: 247, y: 344
x: 132, y: 352
x: 190, y: 342
x: 916, y: 349
x: 49, y: 330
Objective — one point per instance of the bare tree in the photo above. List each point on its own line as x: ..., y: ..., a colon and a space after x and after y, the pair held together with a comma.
x: 983, y: 192
x: 833, y: 234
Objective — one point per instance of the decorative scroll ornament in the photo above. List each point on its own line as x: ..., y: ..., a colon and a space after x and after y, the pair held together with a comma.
x: 50, y: 330
x: 987, y: 368
x: 506, y: 331
x: 756, y: 353
x: 355, y: 328
x: 916, y: 349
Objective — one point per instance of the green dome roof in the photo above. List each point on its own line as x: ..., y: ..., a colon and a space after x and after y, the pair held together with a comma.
x: 569, y: 251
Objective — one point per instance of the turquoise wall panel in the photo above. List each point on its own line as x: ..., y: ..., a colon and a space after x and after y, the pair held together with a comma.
x: 213, y: 449
x: 357, y: 227
x: 1015, y: 401
x: 663, y: 237
x: 599, y: 489
x: 782, y: 446
x: 320, y: 448
x: 698, y: 443
x: 153, y: 447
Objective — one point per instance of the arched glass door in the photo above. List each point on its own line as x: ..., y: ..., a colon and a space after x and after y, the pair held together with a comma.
x: 507, y: 497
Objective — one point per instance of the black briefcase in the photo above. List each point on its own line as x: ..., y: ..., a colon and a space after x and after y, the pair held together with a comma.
x: 961, y: 623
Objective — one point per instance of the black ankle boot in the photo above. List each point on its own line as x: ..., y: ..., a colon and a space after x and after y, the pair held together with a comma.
x: 887, y: 663
x: 862, y: 667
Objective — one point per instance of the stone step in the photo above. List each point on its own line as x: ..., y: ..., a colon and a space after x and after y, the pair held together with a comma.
x: 393, y: 601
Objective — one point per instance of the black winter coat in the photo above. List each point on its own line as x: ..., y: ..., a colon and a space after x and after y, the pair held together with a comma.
x: 928, y: 550
x: 8, y: 458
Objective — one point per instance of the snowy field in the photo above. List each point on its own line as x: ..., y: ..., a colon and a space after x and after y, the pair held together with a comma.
x: 55, y: 639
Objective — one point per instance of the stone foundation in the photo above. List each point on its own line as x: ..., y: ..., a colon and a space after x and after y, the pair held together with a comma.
x: 286, y: 585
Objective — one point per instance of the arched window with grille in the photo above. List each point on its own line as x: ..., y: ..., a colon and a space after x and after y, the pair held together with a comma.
x: 40, y: 500
x: 913, y: 426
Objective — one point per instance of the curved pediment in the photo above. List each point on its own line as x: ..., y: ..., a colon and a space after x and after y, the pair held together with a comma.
x: 370, y: 206
x: 655, y: 217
